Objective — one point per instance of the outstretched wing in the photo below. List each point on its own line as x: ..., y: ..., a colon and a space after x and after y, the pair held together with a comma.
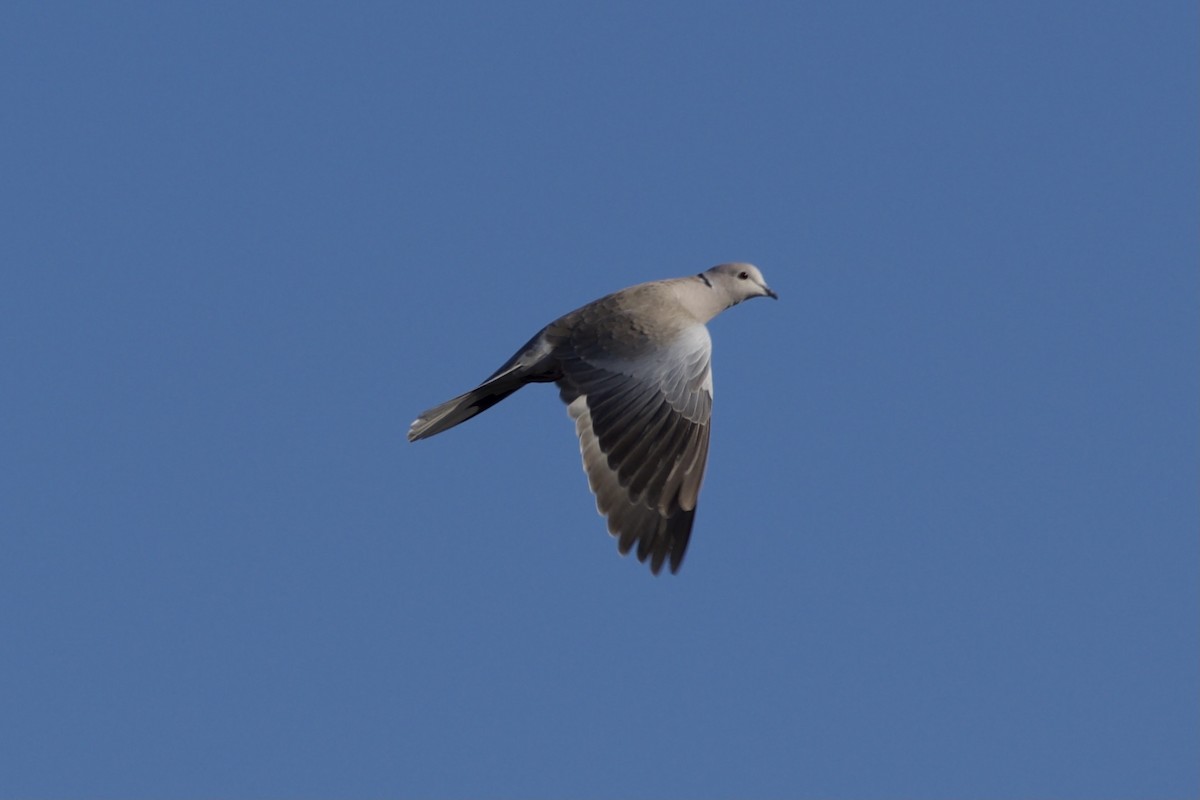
x: 642, y: 414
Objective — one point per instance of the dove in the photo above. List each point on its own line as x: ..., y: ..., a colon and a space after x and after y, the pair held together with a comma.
x: 634, y: 369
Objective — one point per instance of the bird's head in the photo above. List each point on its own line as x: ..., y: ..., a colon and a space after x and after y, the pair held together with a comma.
x: 738, y: 281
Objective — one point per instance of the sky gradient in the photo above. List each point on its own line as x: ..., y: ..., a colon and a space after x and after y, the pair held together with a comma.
x: 948, y: 541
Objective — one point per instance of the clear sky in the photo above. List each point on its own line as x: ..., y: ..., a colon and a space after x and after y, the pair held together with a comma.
x: 948, y: 543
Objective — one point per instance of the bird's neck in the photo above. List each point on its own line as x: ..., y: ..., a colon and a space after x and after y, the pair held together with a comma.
x: 701, y: 297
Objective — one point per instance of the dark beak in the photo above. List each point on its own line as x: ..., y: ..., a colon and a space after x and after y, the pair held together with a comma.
x: 770, y: 293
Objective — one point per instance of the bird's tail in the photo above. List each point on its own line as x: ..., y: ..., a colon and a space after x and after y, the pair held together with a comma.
x: 465, y: 406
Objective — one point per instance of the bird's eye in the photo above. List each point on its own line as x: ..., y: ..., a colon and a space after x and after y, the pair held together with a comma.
x: 743, y: 275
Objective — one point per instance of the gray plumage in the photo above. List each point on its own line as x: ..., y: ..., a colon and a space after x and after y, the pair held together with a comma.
x: 633, y: 369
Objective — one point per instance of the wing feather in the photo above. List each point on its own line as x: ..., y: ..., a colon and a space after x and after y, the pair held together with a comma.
x: 642, y: 417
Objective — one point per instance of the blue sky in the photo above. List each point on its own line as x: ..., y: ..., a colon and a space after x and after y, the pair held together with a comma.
x: 947, y: 545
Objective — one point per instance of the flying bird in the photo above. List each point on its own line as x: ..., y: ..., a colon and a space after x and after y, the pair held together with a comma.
x: 634, y: 370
